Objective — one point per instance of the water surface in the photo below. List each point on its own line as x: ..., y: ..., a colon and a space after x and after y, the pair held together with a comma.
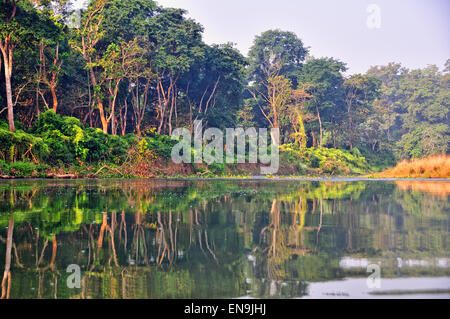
x: 224, y: 238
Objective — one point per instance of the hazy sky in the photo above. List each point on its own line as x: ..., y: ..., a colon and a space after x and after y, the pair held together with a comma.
x: 413, y: 32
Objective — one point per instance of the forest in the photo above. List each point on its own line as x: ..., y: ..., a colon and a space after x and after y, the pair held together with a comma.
x: 98, y: 92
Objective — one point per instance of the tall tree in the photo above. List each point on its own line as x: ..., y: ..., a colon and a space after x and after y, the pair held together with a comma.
x: 118, y: 63
x: 276, y: 51
x: 325, y: 74
x: 126, y: 21
x: 178, y: 42
x: 88, y: 36
x: 10, y: 30
x: 214, y: 85
x: 360, y: 92
x: 297, y: 113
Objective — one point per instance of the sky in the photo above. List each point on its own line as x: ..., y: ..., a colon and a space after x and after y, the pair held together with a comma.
x: 360, y: 33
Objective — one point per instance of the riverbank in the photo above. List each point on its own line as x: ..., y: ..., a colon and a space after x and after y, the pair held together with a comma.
x: 62, y: 147
x: 161, y: 168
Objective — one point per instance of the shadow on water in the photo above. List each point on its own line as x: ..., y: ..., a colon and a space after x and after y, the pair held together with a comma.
x: 218, y: 239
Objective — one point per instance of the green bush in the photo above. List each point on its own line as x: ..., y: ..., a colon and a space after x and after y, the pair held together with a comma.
x: 22, y: 169
x: 21, y: 145
x: 161, y: 144
x: 70, y: 142
x: 326, y: 160
x: 107, y: 148
x: 333, y: 167
x: 64, y: 136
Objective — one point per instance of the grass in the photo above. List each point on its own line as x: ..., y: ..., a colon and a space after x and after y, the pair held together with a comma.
x: 436, y: 166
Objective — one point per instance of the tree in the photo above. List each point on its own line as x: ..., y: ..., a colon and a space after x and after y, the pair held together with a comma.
x: 140, y: 71
x: 297, y: 114
x: 413, y: 110
x: 360, y: 92
x: 127, y: 21
x: 177, y: 44
x: 389, y: 76
x: 325, y: 74
x: 22, y: 26
x: 10, y: 30
x: 214, y: 86
x: 50, y: 76
x: 88, y: 37
x: 118, y: 63
x: 52, y: 46
x: 276, y: 51
x: 279, y: 94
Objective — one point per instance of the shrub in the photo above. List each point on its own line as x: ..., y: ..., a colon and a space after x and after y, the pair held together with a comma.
x: 20, y: 145
x: 107, y: 148
x: 333, y: 167
x: 328, y: 160
x: 22, y: 169
x: 64, y: 136
x: 437, y: 166
x: 161, y: 144
x: 70, y: 142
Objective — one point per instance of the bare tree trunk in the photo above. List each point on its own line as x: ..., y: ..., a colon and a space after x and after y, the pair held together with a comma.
x: 7, y: 52
x: 320, y: 127
x: 7, y: 49
x: 112, y: 106
x: 55, y: 99
x: 99, y: 103
x: 172, y: 104
x: 123, y: 111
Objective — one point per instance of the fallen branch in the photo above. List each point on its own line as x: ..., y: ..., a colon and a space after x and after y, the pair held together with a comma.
x: 110, y: 168
x: 53, y: 175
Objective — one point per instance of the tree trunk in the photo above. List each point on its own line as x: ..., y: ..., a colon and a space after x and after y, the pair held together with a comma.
x: 350, y: 125
x: 123, y: 118
x: 320, y: 127
x: 6, y: 281
x: 170, y: 115
x: 7, y: 53
x: 113, y: 125
x: 55, y: 99
x: 112, y: 117
x: 99, y: 104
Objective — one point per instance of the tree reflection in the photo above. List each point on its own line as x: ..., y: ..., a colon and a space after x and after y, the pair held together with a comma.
x: 6, y: 281
x: 178, y: 239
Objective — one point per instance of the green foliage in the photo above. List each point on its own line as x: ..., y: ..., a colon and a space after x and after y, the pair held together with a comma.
x: 63, y: 135
x: 21, y: 145
x: 22, y: 169
x: 149, y: 67
x: 275, y: 49
x: 69, y: 142
x: 161, y: 144
x: 107, y: 148
x: 424, y: 141
x: 412, y: 111
x: 327, y: 160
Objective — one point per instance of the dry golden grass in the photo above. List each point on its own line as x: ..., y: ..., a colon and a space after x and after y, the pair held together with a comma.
x: 436, y: 166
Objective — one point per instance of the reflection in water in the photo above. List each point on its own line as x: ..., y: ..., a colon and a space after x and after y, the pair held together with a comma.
x: 435, y: 188
x: 216, y: 239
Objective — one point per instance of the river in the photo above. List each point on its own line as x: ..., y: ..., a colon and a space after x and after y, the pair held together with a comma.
x: 249, y: 238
